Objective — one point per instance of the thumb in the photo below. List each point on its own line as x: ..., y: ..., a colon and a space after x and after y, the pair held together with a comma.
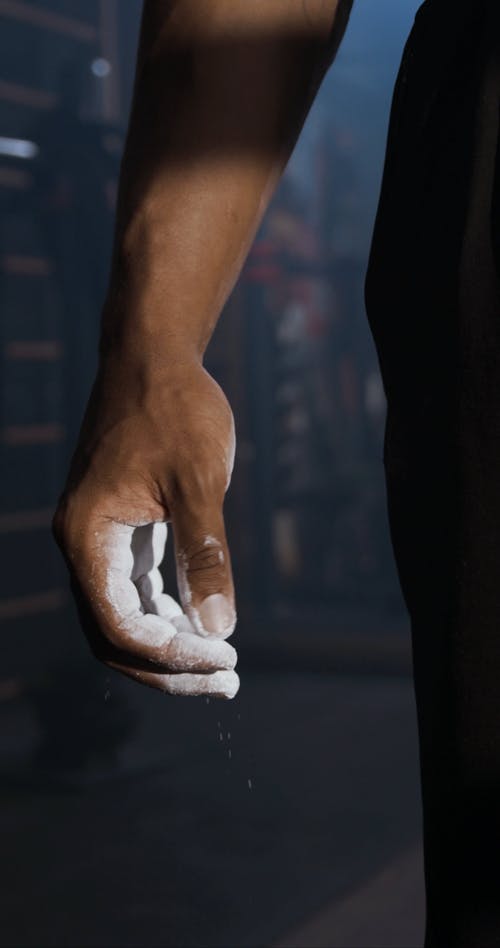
x: 203, y: 566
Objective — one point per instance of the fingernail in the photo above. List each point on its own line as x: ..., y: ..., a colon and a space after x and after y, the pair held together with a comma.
x: 217, y: 616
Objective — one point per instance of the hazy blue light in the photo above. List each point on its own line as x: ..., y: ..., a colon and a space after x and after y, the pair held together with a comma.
x: 18, y: 148
x: 100, y: 67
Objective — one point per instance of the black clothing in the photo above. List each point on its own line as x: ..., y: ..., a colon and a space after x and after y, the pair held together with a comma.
x: 433, y: 302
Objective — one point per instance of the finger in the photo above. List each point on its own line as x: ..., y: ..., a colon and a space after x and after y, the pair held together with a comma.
x: 115, y: 598
x: 190, y: 652
x: 187, y: 651
x: 220, y: 684
x: 105, y: 576
x: 162, y: 605
x: 148, y: 548
x: 203, y: 565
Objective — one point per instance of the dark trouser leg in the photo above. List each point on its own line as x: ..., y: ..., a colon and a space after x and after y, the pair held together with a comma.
x: 450, y: 574
x: 433, y: 299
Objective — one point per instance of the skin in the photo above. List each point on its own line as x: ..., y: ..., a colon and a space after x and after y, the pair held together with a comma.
x: 222, y: 90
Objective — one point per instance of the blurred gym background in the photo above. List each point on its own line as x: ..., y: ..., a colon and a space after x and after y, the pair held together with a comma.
x: 314, y: 765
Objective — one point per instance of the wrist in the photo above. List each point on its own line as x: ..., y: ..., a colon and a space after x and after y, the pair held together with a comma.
x: 142, y: 327
x: 135, y: 365
x: 142, y: 349
x: 152, y: 319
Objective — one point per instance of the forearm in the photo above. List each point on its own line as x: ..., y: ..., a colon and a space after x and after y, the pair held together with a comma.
x: 222, y: 90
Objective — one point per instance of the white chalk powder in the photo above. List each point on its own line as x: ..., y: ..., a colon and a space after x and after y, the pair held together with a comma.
x: 129, y: 557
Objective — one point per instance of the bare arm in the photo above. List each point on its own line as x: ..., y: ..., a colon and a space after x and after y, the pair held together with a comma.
x: 222, y: 90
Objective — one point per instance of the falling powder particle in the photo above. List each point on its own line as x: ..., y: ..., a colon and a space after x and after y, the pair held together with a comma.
x: 207, y: 700
x: 229, y: 735
x: 221, y: 736
x: 249, y: 784
x: 107, y: 695
x: 229, y: 754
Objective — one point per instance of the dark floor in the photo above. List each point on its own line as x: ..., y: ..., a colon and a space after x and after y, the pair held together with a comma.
x: 387, y: 911
x: 216, y: 824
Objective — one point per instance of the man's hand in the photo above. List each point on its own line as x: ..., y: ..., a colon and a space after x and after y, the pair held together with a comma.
x: 153, y: 450
x: 222, y: 90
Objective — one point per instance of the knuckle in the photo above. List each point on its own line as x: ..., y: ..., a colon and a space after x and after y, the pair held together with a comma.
x: 206, y: 556
x: 206, y: 485
x: 200, y: 479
